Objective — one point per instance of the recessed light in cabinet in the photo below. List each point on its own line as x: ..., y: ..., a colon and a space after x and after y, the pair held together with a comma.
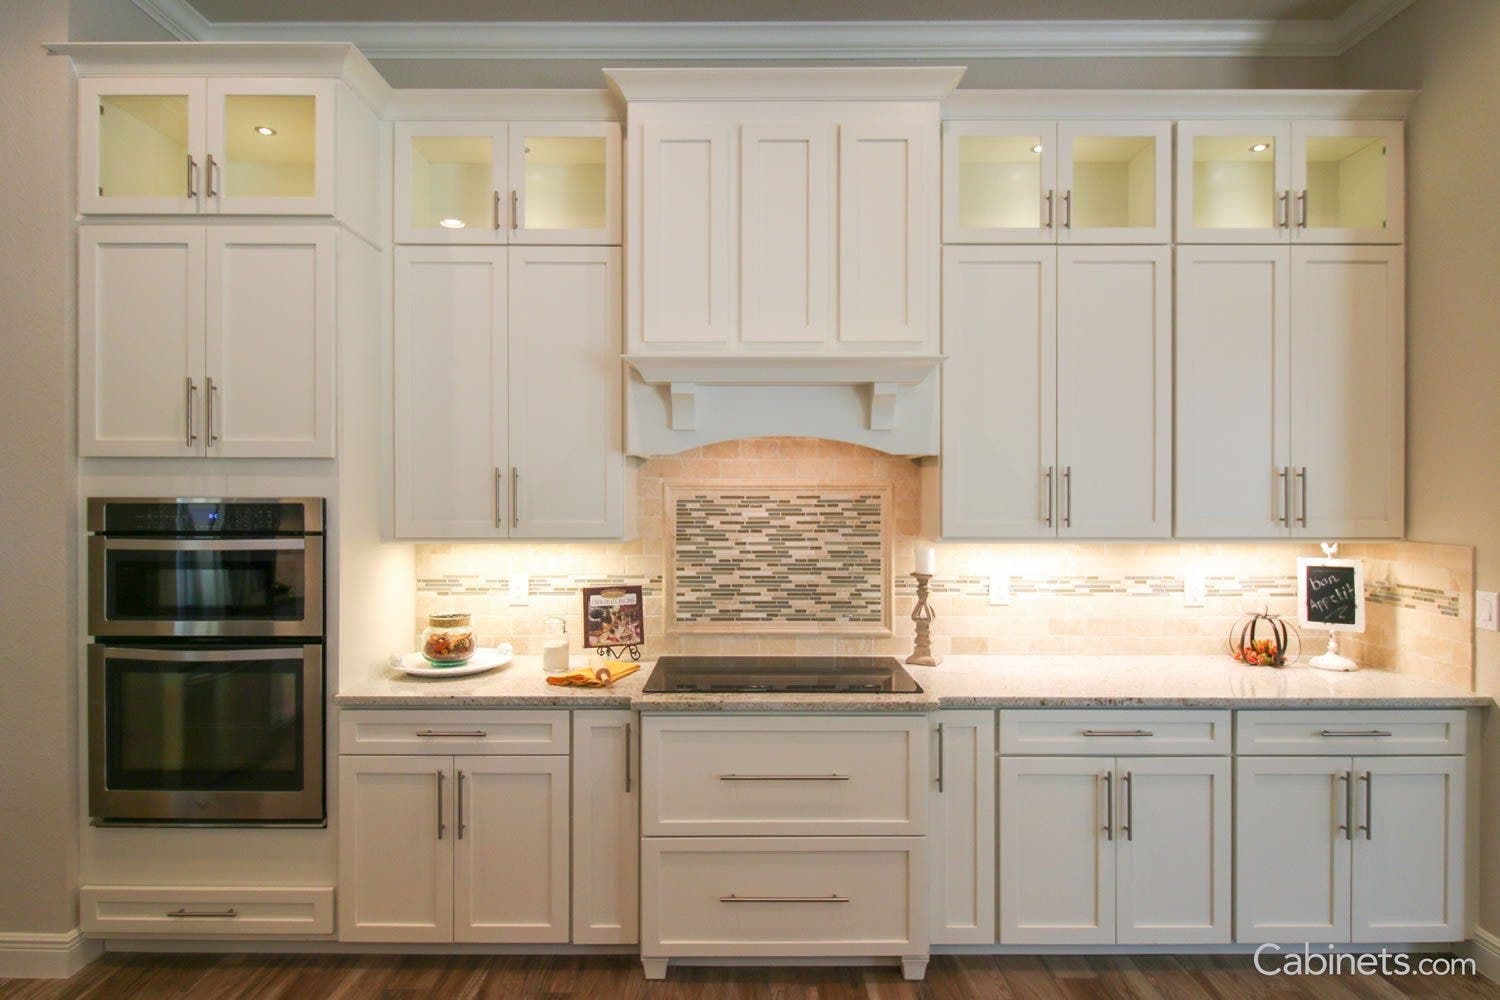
x: 1260, y: 147
x: 451, y: 223
x: 265, y: 130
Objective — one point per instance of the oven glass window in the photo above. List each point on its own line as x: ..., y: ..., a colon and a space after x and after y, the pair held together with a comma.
x: 222, y: 725
x: 205, y: 584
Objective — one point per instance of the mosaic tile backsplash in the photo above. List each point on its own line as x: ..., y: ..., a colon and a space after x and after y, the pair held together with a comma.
x: 1065, y: 598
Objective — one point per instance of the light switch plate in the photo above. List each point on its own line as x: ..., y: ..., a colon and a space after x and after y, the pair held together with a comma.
x: 1194, y: 590
x: 520, y: 588
x: 999, y: 589
x: 1486, y: 610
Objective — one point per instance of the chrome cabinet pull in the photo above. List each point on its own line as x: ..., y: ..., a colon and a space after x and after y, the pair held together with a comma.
x: 515, y: 210
x: 1067, y: 496
x: 208, y: 176
x: 1283, y: 502
x: 1284, y: 216
x: 192, y: 390
x: 1067, y: 200
x: 940, y: 757
x: 1129, y: 782
x: 1109, y: 805
x: 1345, y: 828
x: 1048, y: 477
x: 1116, y: 732
x: 833, y: 898
x: 1336, y: 733
x: 1302, y: 209
x: 458, y: 803
x: 783, y: 777
x: 627, y: 758
x: 213, y: 394
x: 495, y: 211
x: 204, y: 914
x: 515, y: 493
x: 192, y: 176
x: 1368, y: 825
x: 441, y: 827
x: 1302, y: 514
x: 1050, y: 196
x: 473, y: 734
x: 499, y: 503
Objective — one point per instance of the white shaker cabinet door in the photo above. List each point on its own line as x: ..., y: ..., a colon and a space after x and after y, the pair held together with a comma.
x: 962, y: 876
x: 1173, y: 850
x: 396, y: 841
x: 140, y: 341
x: 1292, y: 849
x: 567, y: 463
x: 270, y: 378
x: 1233, y: 372
x: 1408, y: 882
x: 606, y: 828
x: 510, y: 866
x: 1057, y: 855
x: 999, y: 466
x: 451, y: 468
x: 1348, y: 391
x: 1114, y: 391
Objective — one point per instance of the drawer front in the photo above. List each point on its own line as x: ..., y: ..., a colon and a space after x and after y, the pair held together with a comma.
x: 1315, y: 732
x: 1108, y: 732
x: 193, y: 911
x: 452, y: 731
x: 781, y: 775
x: 783, y: 896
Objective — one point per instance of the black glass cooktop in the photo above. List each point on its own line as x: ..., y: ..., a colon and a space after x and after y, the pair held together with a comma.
x: 839, y: 674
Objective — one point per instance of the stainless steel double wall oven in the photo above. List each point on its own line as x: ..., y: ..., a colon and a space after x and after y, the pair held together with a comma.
x: 205, y: 683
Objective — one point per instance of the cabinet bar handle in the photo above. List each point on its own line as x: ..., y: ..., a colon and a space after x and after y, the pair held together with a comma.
x: 1302, y: 209
x: 1283, y: 503
x: 1284, y: 216
x: 203, y: 914
x: 472, y: 734
x: 1369, y: 825
x: 1345, y: 828
x: 940, y: 756
x: 192, y: 390
x: 1048, y: 477
x: 459, y: 804
x: 1302, y: 514
x: 627, y: 758
x: 208, y: 176
x: 192, y: 176
x: 441, y: 828
x: 496, y: 210
x: 515, y: 492
x: 1109, y: 805
x: 1067, y: 496
x: 499, y: 503
x: 1051, y: 195
x: 515, y: 210
x: 1116, y: 732
x: 834, y: 898
x: 1129, y: 782
x: 213, y: 394
x: 1068, y: 209
x: 1335, y: 733
x: 783, y: 777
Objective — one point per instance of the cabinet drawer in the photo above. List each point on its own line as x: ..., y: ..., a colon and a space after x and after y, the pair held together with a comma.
x: 784, y: 775
x: 783, y: 896
x: 191, y: 911
x: 1351, y: 732
x: 452, y: 731
x: 1114, y: 731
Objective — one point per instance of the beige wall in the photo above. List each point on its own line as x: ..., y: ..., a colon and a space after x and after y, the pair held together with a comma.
x: 1451, y: 50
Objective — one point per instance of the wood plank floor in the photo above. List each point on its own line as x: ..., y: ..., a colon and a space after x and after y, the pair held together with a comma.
x: 559, y: 977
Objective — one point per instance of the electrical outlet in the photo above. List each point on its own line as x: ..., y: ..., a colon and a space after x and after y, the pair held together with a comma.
x: 999, y: 590
x: 1194, y: 590
x: 520, y: 588
x: 1487, y: 610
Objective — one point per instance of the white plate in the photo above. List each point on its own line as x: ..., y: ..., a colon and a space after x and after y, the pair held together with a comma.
x: 483, y: 659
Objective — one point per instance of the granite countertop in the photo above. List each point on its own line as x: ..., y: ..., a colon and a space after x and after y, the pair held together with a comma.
x: 959, y: 682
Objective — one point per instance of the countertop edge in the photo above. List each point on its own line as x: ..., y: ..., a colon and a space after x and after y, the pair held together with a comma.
x: 677, y: 704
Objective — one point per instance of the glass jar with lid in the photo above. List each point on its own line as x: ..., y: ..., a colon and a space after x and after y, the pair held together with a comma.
x: 448, y: 639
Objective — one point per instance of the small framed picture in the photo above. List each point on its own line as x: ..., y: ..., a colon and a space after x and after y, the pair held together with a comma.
x: 613, y: 617
x: 1331, y: 594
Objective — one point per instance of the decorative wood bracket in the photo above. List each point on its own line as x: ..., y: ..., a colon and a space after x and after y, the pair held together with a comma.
x: 684, y: 406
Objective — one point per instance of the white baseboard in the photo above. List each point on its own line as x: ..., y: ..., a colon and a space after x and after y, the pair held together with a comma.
x: 1485, y: 950
x: 46, y: 956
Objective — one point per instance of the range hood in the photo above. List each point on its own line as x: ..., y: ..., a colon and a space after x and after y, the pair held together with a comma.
x: 886, y: 402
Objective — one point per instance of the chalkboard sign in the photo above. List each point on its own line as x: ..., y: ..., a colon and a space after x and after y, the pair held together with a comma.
x: 1331, y: 594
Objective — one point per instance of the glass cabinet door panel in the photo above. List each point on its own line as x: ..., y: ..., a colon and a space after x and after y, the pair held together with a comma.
x: 564, y: 182
x: 1000, y: 182
x: 1234, y: 181
x: 1113, y: 182
x: 143, y: 146
x: 452, y: 182
x: 1346, y: 182
x: 270, y: 146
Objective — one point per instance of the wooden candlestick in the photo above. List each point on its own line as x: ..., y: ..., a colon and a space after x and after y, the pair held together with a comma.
x: 922, y: 615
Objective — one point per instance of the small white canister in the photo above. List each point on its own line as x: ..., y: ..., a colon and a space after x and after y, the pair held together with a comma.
x: 555, y: 647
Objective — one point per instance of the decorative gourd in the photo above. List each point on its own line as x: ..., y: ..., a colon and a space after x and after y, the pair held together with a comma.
x: 1263, y: 640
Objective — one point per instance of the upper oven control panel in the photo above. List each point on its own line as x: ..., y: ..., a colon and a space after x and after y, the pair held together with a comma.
x: 200, y: 516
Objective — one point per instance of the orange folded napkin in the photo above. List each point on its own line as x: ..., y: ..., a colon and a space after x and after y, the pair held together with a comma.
x: 597, y: 677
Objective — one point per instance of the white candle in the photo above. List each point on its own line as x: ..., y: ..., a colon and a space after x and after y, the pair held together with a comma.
x: 926, y: 558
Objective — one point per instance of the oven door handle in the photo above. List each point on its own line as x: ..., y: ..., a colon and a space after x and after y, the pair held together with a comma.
x: 206, y: 544
x: 127, y: 652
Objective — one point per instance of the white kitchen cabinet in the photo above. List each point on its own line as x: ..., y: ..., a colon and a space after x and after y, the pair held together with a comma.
x: 235, y: 146
x: 565, y: 183
x: 962, y: 873
x: 1311, y: 181
x: 510, y: 849
x: 216, y: 342
x: 606, y: 827
x: 395, y: 849
x: 1057, y: 392
x: 507, y: 393
x: 1057, y: 182
x: 1114, y: 392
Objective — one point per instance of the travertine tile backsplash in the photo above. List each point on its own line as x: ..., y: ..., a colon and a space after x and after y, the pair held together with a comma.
x: 1065, y: 597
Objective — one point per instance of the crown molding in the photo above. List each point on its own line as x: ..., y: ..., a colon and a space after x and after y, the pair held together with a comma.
x: 416, y: 105
x: 821, y: 83
x: 719, y: 41
x: 1177, y: 105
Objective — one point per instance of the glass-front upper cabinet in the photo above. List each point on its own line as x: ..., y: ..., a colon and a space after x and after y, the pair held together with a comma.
x: 1348, y: 182
x: 451, y: 183
x: 185, y: 145
x: 1057, y: 182
x: 1233, y: 182
x: 565, y: 179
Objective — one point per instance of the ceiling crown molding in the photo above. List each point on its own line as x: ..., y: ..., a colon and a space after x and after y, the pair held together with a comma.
x: 745, y: 40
